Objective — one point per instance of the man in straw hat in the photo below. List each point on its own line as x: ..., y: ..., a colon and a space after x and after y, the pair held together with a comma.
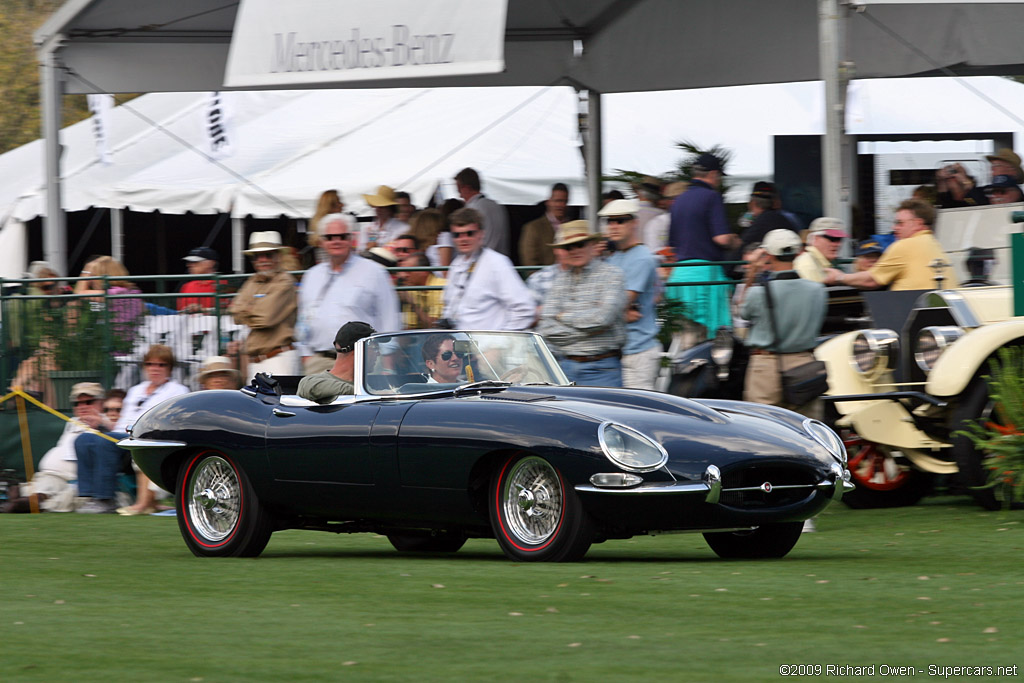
x: 267, y: 304
x: 641, y: 356
x: 582, y: 317
x: 387, y: 227
x: 217, y: 372
x: 344, y: 287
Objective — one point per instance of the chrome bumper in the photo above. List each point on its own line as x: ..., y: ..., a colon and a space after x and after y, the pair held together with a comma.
x: 836, y: 484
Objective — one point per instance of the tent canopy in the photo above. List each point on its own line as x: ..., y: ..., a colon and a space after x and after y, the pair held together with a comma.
x: 627, y: 45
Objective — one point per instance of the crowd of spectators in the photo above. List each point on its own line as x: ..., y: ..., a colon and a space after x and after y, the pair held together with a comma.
x: 594, y: 296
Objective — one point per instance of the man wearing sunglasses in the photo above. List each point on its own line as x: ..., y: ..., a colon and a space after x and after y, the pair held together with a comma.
x: 582, y: 316
x: 324, y: 387
x: 824, y: 238
x: 641, y: 356
x: 342, y: 288
x: 484, y: 291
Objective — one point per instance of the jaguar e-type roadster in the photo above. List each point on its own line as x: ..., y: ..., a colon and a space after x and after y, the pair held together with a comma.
x: 456, y: 435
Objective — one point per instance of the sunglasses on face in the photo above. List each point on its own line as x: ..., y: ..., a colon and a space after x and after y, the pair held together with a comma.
x: 336, y: 236
x: 86, y: 402
x: 620, y: 219
x: 403, y: 250
x: 575, y: 246
x: 155, y: 364
x: 464, y: 233
x: 447, y: 355
x: 833, y: 239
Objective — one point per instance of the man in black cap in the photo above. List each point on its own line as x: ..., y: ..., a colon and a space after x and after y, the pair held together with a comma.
x: 1003, y: 190
x: 200, y: 261
x: 762, y: 204
x: 324, y: 387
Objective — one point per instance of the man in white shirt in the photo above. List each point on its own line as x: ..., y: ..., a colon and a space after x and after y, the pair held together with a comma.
x: 343, y: 288
x: 495, y: 219
x: 484, y: 291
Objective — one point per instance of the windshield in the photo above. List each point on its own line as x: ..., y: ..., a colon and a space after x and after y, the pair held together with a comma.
x: 424, y: 361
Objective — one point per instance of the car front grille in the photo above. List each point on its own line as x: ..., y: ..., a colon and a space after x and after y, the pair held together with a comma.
x: 766, y: 487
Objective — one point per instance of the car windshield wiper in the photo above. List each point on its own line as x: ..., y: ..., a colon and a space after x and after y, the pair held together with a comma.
x: 482, y: 384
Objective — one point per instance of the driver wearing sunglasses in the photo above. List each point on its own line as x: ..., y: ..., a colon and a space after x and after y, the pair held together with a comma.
x: 444, y: 364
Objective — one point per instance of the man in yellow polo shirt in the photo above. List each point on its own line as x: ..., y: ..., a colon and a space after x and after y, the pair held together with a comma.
x: 907, y: 264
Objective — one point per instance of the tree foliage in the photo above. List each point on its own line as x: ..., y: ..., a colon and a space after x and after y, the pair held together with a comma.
x: 684, y: 167
x: 20, y: 116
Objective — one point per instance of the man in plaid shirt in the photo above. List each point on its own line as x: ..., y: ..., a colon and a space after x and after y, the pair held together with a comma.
x: 582, y: 316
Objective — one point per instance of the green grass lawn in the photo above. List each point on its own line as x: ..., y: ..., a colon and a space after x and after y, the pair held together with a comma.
x: 106, y: 598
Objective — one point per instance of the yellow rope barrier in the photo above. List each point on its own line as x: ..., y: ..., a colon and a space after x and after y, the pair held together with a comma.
x: 26, y: 449
x: 18, y: 393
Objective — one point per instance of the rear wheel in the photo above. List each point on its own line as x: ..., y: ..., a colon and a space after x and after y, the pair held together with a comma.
x: 767, y: 541
x: 218, y: 512
x: 446, y: 542
x: 883, y: 479
x: 535, y: 515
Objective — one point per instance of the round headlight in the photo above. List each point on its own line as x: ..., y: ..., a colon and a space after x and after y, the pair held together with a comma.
x: 629, y: 449
x: 722, y: 346
x: 932, y: 341
x: 824, y: 435
x: 874, y: 352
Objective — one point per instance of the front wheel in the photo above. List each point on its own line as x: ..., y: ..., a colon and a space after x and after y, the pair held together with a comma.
x: 882, y: 479
x: 535, y: 515
x: 976, y: 406
x: 218, y: 512
x: 767, y: 541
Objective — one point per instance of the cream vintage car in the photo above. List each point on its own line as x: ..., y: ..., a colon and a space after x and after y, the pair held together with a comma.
x: 902, y: 395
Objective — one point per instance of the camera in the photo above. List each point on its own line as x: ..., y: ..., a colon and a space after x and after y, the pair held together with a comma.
x: 443, y: 324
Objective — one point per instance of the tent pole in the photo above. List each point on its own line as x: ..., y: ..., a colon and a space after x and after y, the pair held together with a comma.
x: 237, y: 245
x: 117, y: 234
x: 51, y: 86
x: 835, y: 176
x: 593, y: 151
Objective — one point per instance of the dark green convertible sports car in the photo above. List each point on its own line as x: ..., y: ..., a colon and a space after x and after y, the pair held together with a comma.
x: 456, y: 435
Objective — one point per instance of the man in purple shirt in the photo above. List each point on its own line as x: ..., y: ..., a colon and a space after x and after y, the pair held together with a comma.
x: 698, y: 233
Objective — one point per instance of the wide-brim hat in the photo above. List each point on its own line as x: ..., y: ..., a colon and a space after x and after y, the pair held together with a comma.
x: 620, y: 207
x: 267, y: 240
x: 215, y: 364
x: 385, y: 197
x: 574, y: 232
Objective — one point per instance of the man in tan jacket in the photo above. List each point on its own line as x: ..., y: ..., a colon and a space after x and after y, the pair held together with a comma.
x: 267, y: 305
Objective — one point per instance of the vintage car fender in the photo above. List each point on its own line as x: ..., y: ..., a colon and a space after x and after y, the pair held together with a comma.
x: 843, y: 378
x: 957, y: 366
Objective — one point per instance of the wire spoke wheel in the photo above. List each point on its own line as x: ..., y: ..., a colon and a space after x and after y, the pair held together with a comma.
x: 215, y: 504
x: 535, y: 515
x: 533, y: 500
x: 883, y: 478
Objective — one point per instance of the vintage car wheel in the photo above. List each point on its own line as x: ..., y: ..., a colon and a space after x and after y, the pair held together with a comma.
x: 218, y: 512
x: 767, y: 541
x: 442, y: 543
x: 977, y: 407
x: 882, y: 480
x: 535, y: 515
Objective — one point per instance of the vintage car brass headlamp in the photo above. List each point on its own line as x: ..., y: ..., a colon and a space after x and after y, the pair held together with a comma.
x: 932, y: 341
x: 630, y: 449
x: 874, y: 352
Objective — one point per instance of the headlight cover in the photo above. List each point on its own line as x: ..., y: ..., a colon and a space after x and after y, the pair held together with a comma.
x: 874, y: 351
x: 932, y: 341
x: 629, y: 449
x: 722, y: 347
x: 824, y: 435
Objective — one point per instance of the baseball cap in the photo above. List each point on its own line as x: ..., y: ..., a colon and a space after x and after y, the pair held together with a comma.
x: 829, y: 227
x: 869, y: 246
x: 350, y: 333
x: 709, y: 162
x: 1003, y: 181
x: 93, y: 389
x: 781, y: 242
x: 202, y: 254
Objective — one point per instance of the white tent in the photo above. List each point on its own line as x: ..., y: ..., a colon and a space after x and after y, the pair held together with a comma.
x: 290, y: 145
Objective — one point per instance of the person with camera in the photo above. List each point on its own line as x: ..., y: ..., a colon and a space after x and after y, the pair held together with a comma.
x: 484, y: 291
x: 785, y: 313
x: 641, y: 356
x: 957, y: 188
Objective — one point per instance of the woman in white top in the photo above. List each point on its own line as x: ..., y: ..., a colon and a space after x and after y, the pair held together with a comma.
x: 431, y: 231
